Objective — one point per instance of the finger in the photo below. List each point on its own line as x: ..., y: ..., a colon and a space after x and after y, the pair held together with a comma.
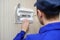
x: 25, y: 20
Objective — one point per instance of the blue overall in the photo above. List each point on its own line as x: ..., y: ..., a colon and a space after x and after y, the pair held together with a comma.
x: 48, y: 32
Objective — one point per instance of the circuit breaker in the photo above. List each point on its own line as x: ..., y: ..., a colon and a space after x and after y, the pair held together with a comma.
x: 24, y: 13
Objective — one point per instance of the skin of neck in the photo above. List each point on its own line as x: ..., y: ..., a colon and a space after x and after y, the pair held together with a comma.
x: 52, y: 20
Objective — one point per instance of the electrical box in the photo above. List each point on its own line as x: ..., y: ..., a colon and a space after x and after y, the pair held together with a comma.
x: 24, y: 13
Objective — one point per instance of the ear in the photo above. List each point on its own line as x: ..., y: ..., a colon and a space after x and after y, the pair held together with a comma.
x: 40, y: 13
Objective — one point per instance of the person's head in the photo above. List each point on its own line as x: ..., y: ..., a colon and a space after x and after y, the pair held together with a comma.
x: 47, y: 10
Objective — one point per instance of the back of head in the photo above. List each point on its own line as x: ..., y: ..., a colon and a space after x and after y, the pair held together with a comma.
x: 51, y: 8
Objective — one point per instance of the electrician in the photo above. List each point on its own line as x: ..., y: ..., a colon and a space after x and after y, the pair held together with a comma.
x: 48, y: 15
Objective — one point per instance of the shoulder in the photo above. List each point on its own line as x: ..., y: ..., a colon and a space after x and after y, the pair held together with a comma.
x: 52, y: 35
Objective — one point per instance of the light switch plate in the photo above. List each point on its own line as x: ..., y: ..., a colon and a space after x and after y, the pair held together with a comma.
x: 24, y: 13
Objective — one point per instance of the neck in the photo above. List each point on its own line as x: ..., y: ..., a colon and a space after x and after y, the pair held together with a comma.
x: 51, y: 21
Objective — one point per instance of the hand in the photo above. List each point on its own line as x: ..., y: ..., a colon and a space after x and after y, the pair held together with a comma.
x: 25, y: 25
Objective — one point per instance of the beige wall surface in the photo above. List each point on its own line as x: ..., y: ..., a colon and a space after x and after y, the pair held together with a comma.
x: 8, y: 28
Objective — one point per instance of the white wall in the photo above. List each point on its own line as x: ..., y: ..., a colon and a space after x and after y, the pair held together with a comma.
x: 8, y: 28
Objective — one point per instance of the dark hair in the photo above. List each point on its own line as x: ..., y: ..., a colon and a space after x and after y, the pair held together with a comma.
x: 51, y: 13
x: 49, y: 16
x: 50, y: 8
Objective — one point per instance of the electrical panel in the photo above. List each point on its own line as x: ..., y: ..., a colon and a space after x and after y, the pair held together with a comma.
x: 24, y: 13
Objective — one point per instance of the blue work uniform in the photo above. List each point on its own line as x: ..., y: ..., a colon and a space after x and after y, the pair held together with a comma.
x: 48, y: 32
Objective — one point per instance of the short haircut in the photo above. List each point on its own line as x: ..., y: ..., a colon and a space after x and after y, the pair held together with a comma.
x: 50, y: 13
